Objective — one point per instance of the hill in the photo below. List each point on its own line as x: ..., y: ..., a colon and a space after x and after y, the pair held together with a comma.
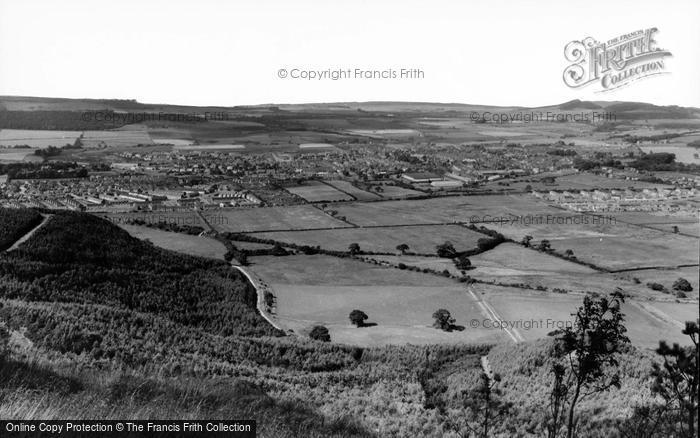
x: 97, y: 324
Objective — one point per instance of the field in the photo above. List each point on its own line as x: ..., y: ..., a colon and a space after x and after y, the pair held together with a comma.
x: 683, y: 154
x: 209, y: 147
x: 316, y: 191
x: 441, y: 210
x: 420, y: 239
x: 667, y: 277
x: 116, y: 138
x: 14, y: 155
x: 349, y: 188
x: 398, y: 192
x: 422, y: 262
x: 588, y: 181
x: 323, y: 290
x: 692, y: 229
x: 172, y: 217
x: 511, y: 264
x: 650, y: 249
x: 298, y: 217
x: 36, y: 138
x: 184, y: 243
x: 540, y: 313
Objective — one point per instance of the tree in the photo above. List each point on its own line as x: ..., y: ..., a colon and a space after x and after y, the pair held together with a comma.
x: 354, y: 248
x: 569, y: 253
x: 269, y: 299
x: 682, y: 285
x: 676, y: 382
x: 403, y: 248
x: 443, y: 320
x: 544, y: 245
x: 358, y: 317
x: 446, y: 250
x: 587, y: 352
x: 526, y: 241
x: 278, y: 250
x: 463, y: 263
x: 485, y: 405
x: 675, y: 229
x: 320, y: 333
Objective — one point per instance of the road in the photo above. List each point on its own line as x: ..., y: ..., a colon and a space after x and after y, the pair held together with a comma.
x: 260, y: 288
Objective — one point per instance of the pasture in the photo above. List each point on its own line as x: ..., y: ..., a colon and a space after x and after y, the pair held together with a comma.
x: 209, y: 147
x: 448, y: 209
x: 183, y: 218
x: 420, y: 239
x: 397, y: 192
x: 648, y: 248
x: 12, y: 155
x: 588, y: 181
x: 684, y: 154
x: 297, y: 217
x: 115, y: 138
x: 667, y: 277
x: 316, y: 191
x: 349, y: 188
x: 184, y: 243
x: 36, y: 138
x: 319, y: 289
x: 540, y: 313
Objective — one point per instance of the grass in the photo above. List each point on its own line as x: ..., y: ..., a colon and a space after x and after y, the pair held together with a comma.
x: 315, y: 191
x: 184, y: 243
x: 348, y: 187
x: 420, y: 239
x: 298, y: 217
x: 649, y: 249
x: 175, y: 217
x: 441, y: 210
x: 323, y: 290
x: 32, y: 390
x: 36, y: 138
x: 545, y: 310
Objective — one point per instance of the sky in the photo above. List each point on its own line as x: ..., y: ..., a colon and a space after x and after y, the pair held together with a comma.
x: 216, y: 52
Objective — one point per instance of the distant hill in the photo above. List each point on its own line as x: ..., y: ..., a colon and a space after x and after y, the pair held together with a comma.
x: 578, y: 104
x: 29, y: 103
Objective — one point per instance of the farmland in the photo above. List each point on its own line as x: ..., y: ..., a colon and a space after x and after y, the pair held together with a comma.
x: 652, y: 249
x: 116, y: 138
x: 420, y: 239
x: 316, y: 191
x: 37, y: 139
x: 171, y: 217
x: 544, y: 312
x: 298, y: 217
x: 441, y: 210
x: 184, y: 243
x: 349, y: 188
x: 323, y: 290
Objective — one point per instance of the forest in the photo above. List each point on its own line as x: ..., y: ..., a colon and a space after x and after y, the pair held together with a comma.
x: 14, y: 223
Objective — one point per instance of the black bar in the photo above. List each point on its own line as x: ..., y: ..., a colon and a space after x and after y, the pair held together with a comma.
x: 128, y: 428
